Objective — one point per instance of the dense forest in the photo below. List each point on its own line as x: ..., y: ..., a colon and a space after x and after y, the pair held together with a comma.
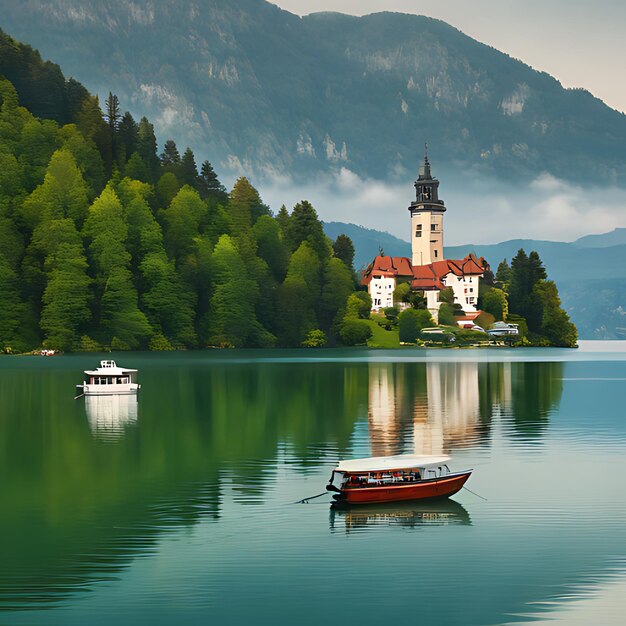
x: 104, y: 243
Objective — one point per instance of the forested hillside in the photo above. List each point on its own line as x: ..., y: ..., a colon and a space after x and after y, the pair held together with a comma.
x: 258, y: 89
x: 104, y: 243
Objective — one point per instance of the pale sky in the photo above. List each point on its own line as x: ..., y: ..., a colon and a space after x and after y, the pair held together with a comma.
x: 582, y: 43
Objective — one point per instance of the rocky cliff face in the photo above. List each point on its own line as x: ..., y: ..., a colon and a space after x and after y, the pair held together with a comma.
x: 257, y: 89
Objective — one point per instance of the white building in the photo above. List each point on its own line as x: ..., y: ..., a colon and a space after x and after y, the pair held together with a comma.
x: 427, y: 270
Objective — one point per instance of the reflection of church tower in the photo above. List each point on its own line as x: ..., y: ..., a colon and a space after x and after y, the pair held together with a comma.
x: 427, y: 218
x: 383, y: 426
x: 453, y: 407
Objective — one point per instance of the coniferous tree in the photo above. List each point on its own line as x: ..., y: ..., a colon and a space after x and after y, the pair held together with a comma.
x: 232, y: 318
x: 128, y: 136
x: 170, y: 157
x: 337, y: 286
x: 283, y: 220
x: 167, y: 187
x: 66, y: 297
x: 270, y: 246
x: 298, y: 297
x: 122, y: 323
x: 182, y: 223
x: 188, y: 172
x: 503, y: 274
x: 137, y: 169
x: 343, y: 249
x: 112, y: 114
x: 210, y: 186
x: 12, y: 307
x: 147, y: 148
x: 304, y: 225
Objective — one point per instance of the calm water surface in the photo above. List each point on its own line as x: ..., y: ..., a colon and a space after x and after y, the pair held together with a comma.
x: 175, y: 508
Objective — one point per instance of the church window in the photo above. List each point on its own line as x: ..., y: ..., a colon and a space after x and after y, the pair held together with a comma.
x: 436, y: 254
x: 433, y: 227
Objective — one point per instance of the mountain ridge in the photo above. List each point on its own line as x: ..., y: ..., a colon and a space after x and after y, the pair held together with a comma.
x: 259, y: 90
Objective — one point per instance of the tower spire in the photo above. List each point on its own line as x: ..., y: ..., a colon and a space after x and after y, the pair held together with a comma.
x: 424, y: 172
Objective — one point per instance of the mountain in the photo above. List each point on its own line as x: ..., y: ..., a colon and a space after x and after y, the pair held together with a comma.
x: 591, y: 280
x: 257, y: 89
x: 367, y: 242
x: 615, y: 238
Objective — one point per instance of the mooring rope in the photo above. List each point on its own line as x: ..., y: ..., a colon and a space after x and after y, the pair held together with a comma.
x: 306, y: 500
x: 475, y: 494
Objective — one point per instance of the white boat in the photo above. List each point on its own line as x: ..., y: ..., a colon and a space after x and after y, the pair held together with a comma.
x: 109, y: 380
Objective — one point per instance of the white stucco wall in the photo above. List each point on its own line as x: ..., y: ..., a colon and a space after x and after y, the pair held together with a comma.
x: 465, y: 291
x: 381, y: 290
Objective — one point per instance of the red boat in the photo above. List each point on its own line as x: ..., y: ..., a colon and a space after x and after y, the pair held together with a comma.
x: 394, y: 478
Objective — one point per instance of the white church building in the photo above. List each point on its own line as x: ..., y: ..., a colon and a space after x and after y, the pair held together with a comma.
x: 427, y: 270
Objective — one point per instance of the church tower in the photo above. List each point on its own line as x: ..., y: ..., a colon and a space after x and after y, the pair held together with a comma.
x: 427, y: 218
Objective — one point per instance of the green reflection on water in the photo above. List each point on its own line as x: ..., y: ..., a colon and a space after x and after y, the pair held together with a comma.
x: 89, y: 485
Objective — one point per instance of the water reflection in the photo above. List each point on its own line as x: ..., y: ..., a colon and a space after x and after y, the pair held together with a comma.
x: 76, y: 512
x: 433, y: 408
x: 406, y: 514
x: 110, y: 415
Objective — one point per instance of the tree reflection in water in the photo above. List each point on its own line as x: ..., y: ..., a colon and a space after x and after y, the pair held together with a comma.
x: 77, y: 509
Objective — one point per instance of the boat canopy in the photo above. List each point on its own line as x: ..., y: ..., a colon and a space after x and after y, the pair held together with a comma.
x: 382, y: 463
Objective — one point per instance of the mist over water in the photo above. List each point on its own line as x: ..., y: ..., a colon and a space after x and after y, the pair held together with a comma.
x: 481, y: 210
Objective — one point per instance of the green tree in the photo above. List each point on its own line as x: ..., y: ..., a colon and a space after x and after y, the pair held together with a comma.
x: 128, y: 135
x: 170, y: 157
x: 232, y: 320
x: 283, y: 218
x: 343, y: 249
x: 355, y: 332
x: 411, y: 322
x: 66, y: 297
x: 122, y: 323
x: 12, y: 307
x: 182, y: 222
x: 494, y: 301
x: 298, y: 296
x: 315, y: 338
x: 188, y: 171
x: 168, y: 304
x: 244, y: 206
x: 304, y: 225
x: 555, y: 322
x: 147, y: 148
x: 210, y: 186
x: 167, y: 187
x: 359, y: 305
x: 337, y: 286
x: 62, y: 194
x: 137, y: 169
x: 446, y: 315
x: 270, y: 246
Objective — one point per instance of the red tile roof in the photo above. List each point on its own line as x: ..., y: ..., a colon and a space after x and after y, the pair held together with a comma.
x: 426, y: 277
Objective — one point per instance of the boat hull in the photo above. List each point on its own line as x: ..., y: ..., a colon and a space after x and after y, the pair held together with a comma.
x: 442, y: 487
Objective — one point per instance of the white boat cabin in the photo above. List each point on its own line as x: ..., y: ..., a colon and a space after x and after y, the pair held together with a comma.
x: 109, y: 379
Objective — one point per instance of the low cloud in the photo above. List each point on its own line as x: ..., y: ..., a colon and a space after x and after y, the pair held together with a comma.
x: 480, y: 210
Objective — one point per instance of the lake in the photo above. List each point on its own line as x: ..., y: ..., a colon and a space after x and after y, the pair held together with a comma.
x: 176, y: 507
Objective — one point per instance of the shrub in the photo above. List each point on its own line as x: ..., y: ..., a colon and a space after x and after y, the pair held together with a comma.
x: 359, y: 305
x: 355, y: 332
x: 391, y: 313
x: 160, y: 343
x: 446, y: 315
x: 411, y: 322
x: 315, y: 338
